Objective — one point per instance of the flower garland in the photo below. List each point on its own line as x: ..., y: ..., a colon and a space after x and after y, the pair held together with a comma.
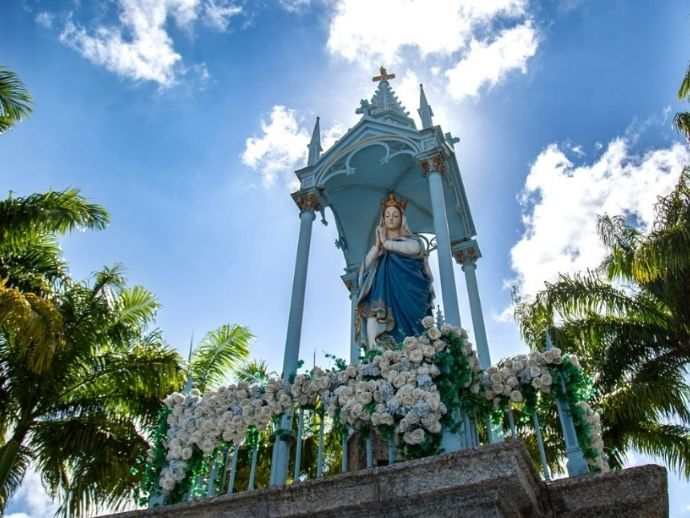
x: 525, y: 378
x: 409, y: 395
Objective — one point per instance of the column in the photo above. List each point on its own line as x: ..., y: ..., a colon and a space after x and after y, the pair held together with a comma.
x: 470, y: 267
x: 434, y: 168
x: 294, y: 330
x: 354, y: 339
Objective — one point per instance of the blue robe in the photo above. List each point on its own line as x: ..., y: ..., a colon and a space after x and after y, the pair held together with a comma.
x: 397, y: 290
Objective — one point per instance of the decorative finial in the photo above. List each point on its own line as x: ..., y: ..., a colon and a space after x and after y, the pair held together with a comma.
x: 392, y: 201
x: 425, y: 111
x: 384, y: 76
x: 315, y: 145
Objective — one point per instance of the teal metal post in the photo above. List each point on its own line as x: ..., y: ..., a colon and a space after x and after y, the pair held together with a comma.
x: 576, y: 463
x: 354, y: 339
x: 294, y: 333
x: 470, y: 267
x: 445, y: 260
x: 540, y: 443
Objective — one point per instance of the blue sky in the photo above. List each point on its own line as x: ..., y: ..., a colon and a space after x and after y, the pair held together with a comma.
x: 186, y: 118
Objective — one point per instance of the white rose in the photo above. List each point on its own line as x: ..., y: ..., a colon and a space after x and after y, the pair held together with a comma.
x: 428, y: 321
x: 414, y: 437
x: 399, y: 381
x: 409, y: 341
x: 434, y: 333
x: 416, y: 356
x: 364, y: 397
x: 516, y: 396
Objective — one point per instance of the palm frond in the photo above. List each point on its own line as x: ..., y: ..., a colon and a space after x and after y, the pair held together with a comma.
x: 684, y: 90
x: 668, y: 442
x: 219, y: 352
x: 15, y: 99
x: 52, y: 212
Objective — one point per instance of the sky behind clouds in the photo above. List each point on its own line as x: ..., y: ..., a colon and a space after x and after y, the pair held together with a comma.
x: 186, y: 118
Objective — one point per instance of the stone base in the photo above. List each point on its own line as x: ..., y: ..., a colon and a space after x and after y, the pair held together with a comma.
x: 498, y: 480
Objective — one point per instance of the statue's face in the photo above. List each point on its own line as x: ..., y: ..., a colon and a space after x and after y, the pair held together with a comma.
x: 392, y: 218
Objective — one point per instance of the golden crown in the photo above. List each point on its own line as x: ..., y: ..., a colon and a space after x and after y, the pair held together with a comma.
x: 392, y: 201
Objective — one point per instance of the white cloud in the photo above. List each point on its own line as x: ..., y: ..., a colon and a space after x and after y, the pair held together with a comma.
x: 32, y: 498
x: 218, y: 13
x: 282, y: 148
x: 139, y: 46
x: 294, y: 5
x: 488, y: 63
x: 45, y: 19
x: 456, y: 39
x: 561, y: 202
x: 374, y: 32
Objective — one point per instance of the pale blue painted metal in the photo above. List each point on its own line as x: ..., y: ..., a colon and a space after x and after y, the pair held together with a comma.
x: 576, y: 463
x: 540, y: 443
x: 370, y: 455
x: 294, y: 332
x: 445, y: 260
x: 343, y: 459
x: 451, y: 441
x: 481, y: 342
x: 391, y: 451
x: 233, y: 468
x: 425, y: 112
x: 469, y: 439
x: 252, y: 471
x: 354, y: 342
x: 315, y: 145
x: 319, y: 454
x: 211, y: 488
x: 298, y: 446
x: 378, y: 155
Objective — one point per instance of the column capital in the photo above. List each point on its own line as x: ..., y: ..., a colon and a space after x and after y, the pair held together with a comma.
x: 433, y: 163
x: 307, y: 201
x: 466, y: 253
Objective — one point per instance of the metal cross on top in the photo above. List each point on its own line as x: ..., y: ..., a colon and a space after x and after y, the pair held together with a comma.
x: 385, y: 76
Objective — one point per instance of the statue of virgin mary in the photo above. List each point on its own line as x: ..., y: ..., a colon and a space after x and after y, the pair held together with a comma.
x: 395, y: 282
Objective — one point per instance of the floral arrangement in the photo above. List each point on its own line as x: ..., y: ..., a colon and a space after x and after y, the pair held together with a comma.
x: 409, y: 394
x: 523, y: 379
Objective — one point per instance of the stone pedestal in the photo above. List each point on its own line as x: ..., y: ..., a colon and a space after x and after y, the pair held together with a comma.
x: 357, y: 452
x: 498, y: 480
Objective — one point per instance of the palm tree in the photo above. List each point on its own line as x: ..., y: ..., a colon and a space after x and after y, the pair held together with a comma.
x: 219, y: 352
x: 83, y: 418
x: 682, y: 119
x: 253, y: 371
x: 629, y: 322
x: 30, y: 258
x: 15, y: 100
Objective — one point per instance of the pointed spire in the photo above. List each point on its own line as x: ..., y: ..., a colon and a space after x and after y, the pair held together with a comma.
x: 384, y: 105
x: 425, y: 112
x: 315, y: 145
x: 190, y: 382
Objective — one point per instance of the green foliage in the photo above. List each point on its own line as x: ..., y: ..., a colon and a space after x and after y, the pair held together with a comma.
x: 219, y: 352
x: 15, y: 99
x: 629, y: 323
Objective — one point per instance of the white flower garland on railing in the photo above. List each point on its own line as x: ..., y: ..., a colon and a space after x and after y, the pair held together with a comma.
x: 395, y: 389
x: 512, y: 376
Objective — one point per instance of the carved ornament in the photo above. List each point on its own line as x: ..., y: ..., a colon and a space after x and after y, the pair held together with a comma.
x: 307, y: 201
